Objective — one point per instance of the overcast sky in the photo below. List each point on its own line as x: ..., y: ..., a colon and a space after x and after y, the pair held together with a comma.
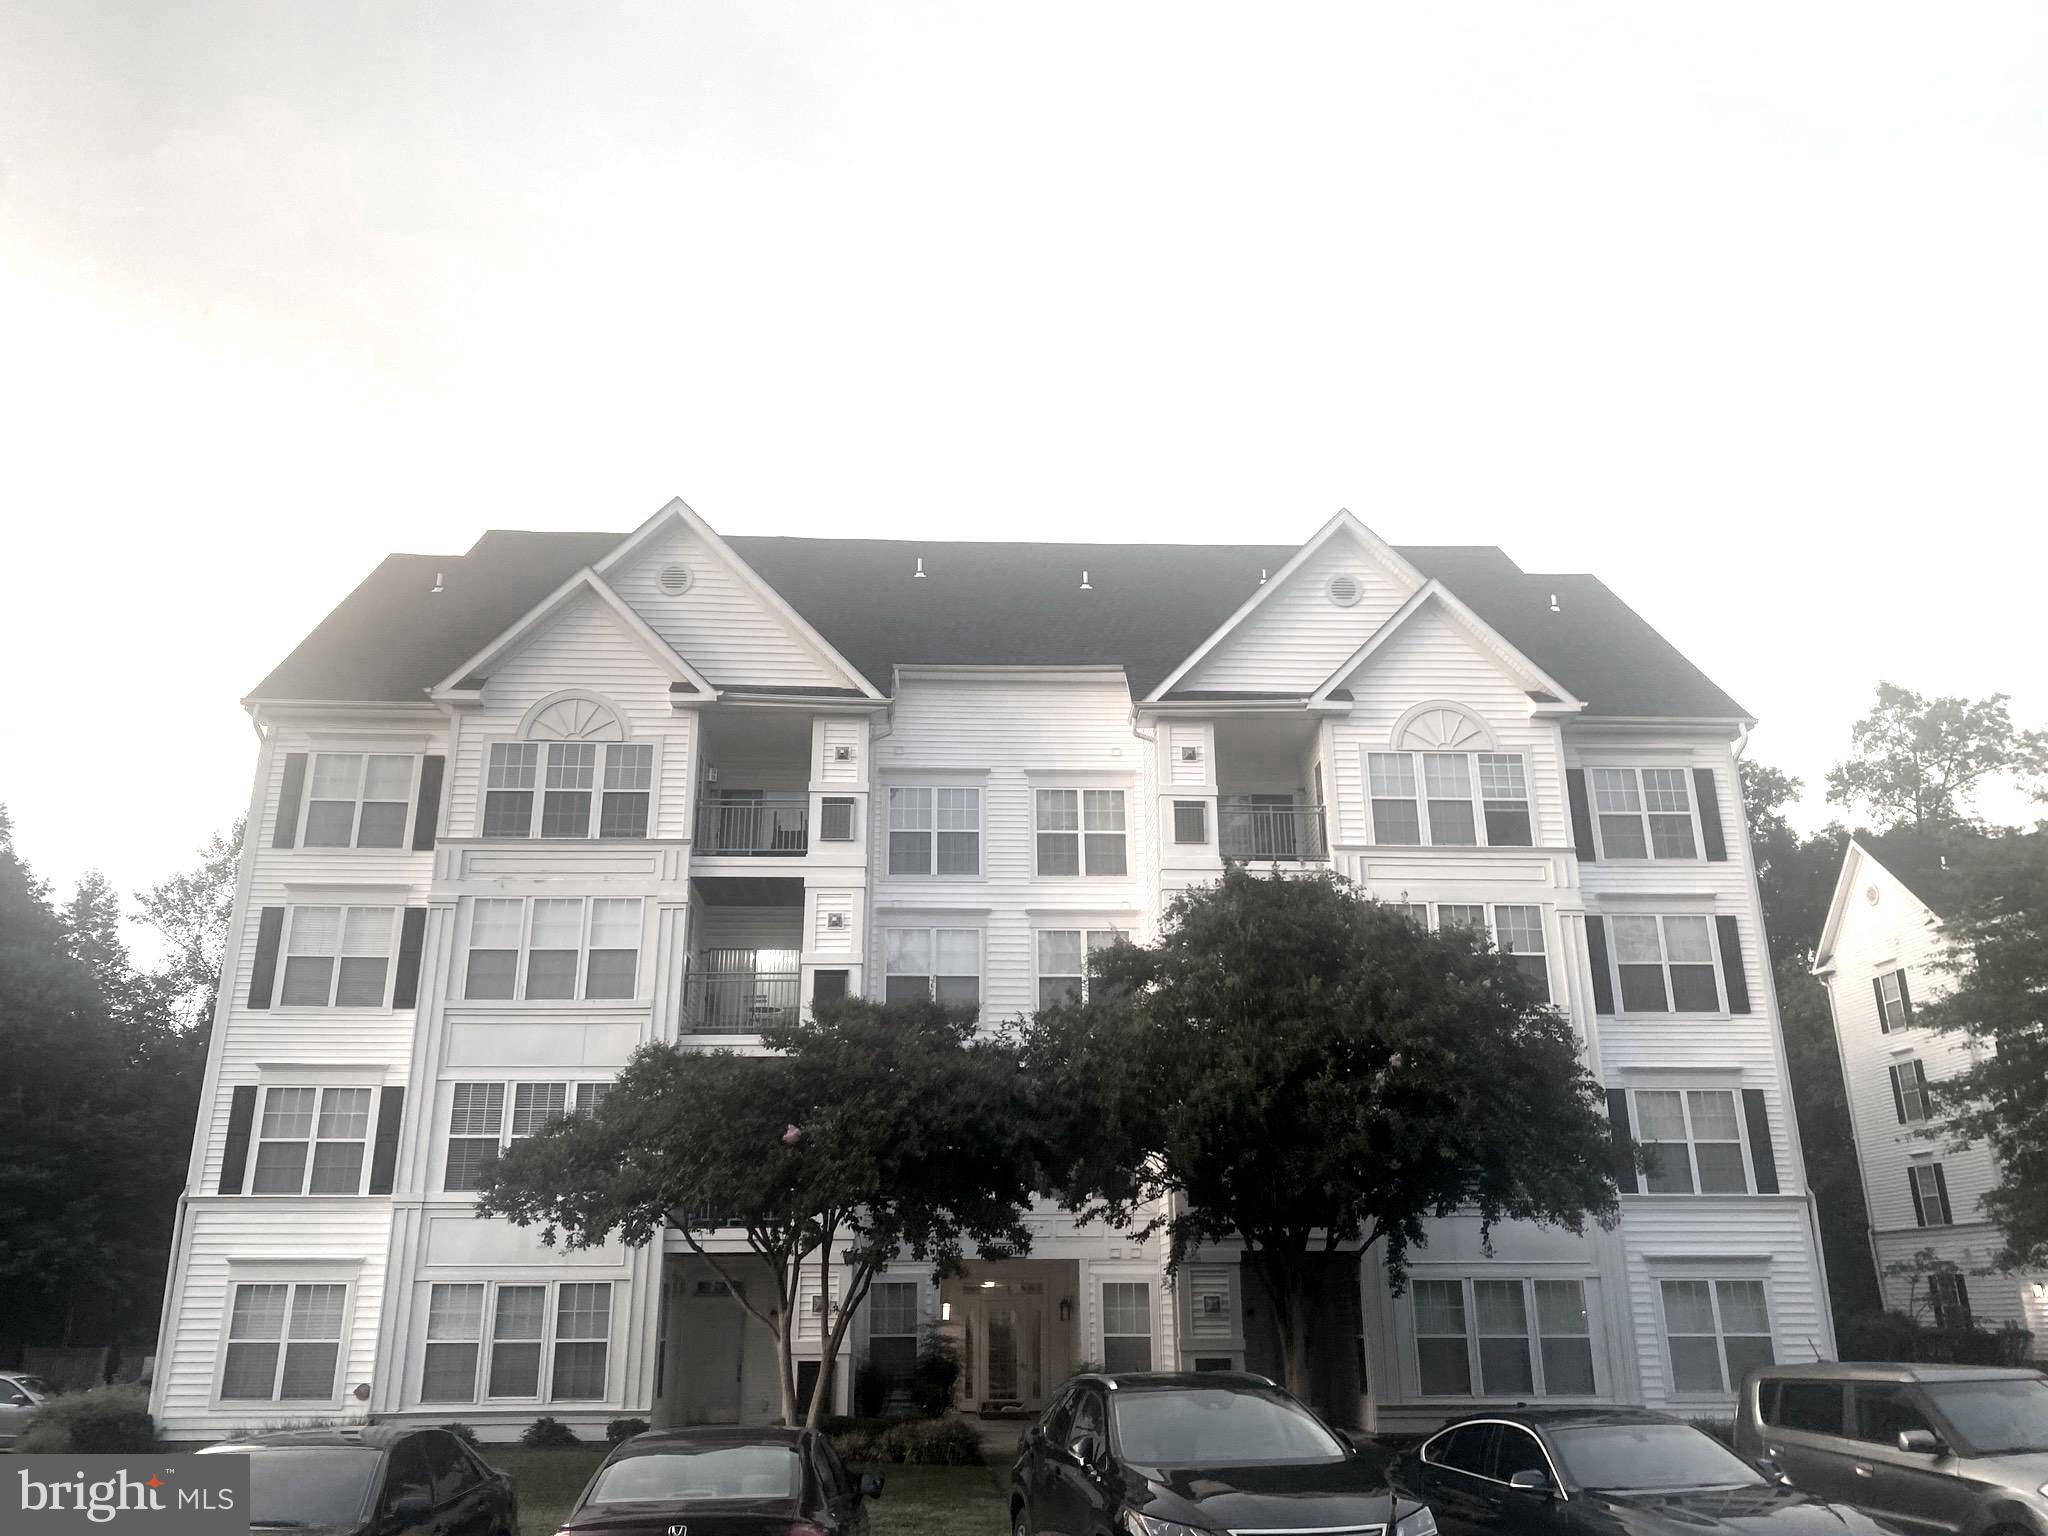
x: 1740, y: 307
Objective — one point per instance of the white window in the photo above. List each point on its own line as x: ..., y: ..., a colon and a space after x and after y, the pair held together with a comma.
x: 935, y: 830
x: 1391, y: 781
x: 1081, y: 832
x: 310, y: 1141
x: 462, y: 1319
x: 1063, y: 961
x: 284, y: 1343
x: 1126, y: 1325
x: 892, y: 1329
x: 1518, y: 934
x: 478, y: 1127
x: 939, y: 963
x: 583, y: 1330
x: 1469, y: 798
x: 1504, y: 794
x: 1666, y: 964
x: 1515, y: 1337
x: 1930, y: 1195
x: 1909, y: 1092
x: 1643, y: 813
x: 1447, y: 784
x: 553, y: 947
x: 337, y: 957
x: 1694, y: 1137
x: 1894, y: 1005
x: 568, y: 789
x: 1716, y: 1331
x: 358, y: 800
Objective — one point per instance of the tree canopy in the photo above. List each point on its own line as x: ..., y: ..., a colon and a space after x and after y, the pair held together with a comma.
x: 1919, y: 762
x: 1309, y: 1071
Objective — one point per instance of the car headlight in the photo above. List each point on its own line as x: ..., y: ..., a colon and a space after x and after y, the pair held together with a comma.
x: 1151, y: 1525
x: 1417, y: 1522
x: 2042, y: 1490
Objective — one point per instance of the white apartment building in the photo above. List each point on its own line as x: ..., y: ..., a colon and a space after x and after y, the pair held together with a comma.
x: 1879, y: 956
x: 520, y: 811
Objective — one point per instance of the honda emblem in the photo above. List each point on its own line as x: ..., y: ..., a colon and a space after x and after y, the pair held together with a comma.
x: 679, y: 1530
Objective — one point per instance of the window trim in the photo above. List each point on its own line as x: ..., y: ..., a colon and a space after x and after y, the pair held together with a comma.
x: 1039, y: 975
x: 1904, y: 1094
x: 1643, y: 813
x: 1151, y: 1333
x: 524, y: 951
x: 1902, y: 1001
x: 932, y: 931
x: 576, y: 1090
x: 291, y: 1283
x: 1080, y: 831
x: 1716, y: 963
x: 1923, y: 1198
x: 1533, y: 1340
x: 931, y: 870
x: 1476, y: 795
x: 312, y: 1141
x: 340, y: 953
x: 543, y: 748
x: 1713, y: 1281
x: 355, y: 832
x: 487, y: 1340
x: 1685, y: 1092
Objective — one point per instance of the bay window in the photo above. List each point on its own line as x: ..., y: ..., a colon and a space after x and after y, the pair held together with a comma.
x: 1469, y: 798
x: 558, y: 948
x: 568, y: 789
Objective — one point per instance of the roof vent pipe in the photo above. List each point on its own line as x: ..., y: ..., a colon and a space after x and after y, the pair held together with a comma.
x: 437, y: 583
x: 918, y: 574
x: 1553, y: 604
x: 1084, y: 583
x: 1262, y: 575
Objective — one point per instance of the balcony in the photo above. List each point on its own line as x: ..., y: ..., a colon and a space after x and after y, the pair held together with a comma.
x: 1260, y: 829
x: 754, y: 826
x: 739, y: 1001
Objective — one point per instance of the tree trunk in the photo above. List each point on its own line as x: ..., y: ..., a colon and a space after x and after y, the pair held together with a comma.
x: 1287, y: 1285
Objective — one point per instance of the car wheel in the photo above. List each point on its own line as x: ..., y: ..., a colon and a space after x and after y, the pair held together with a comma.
x: 1020, y: 1522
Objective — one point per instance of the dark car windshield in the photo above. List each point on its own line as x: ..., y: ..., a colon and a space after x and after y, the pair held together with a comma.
x: 311, y: 1484
x: 1997, y: 1417
x: 709, y: 1472
x: 1216, y: 1427
x: 37, y: 1386
x: 1623, y: 1457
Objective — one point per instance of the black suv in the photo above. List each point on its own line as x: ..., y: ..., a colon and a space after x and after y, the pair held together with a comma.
x: 1151, y: 1454
x: 377, y: 1480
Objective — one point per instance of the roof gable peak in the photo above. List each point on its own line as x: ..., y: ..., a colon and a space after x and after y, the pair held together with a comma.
x: 1434, y: 593
x: 586, y: 582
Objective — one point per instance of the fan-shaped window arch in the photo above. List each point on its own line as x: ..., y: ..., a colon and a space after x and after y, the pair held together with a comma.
x: 1441, y: 726
x: 574, y: 716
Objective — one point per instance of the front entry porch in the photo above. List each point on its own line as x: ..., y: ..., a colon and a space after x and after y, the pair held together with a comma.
x: 715, y: 1362
x: 1015, y: 1325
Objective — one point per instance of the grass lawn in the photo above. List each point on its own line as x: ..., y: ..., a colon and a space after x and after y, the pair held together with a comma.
x: 915, y: 1501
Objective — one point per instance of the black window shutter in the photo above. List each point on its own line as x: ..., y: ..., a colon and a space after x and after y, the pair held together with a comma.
x: 1709, y: 794
x: 412, y: 937
x: 1919, y: 1210
x: 1948, y: 1212
x: 1596, y: 951
x: 1625, y: 1138
x: 1762, y: 1155
x: 1582, y: 813
x: 1734, y: 975
x: 432, y: 766
x: 1884, y: 1026
x: 1905, y: 997
x: 1898, y: 1094
x: 1963, y: 1319
x: 263, y: 973
x: 234, y: 1160
x: 384, y: 1156
x: 284, y: 832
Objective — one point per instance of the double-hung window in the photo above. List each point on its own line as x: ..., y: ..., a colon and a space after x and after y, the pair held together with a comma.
x: 583, y: 1330
x: 568, y: 789
x: 1694, y: 1137
x: 1458, y: 800
x: 1504, y: 796
x: 935, y: 830
x: 1643, y: 813
x: 479, y: 1127
x: 358, y: 799
x: 503, y: 1330
x: 455, y: 1330
x: 1514, y: 1337
x: 337, y: 957
x: 1126, y: 1325
x: 1894, y: 1002
x: 1447, y: 785
x: 1516, y: 931
x: 310, y: 1141
x: 553, y: 947
x: 1909, y: 1091
x: 1081, y: 832
x: 939, y: 963
x: 284, y: 1343
x: 1063, y: 961
x: 1929, y: 1186
x: 1666, y: 964
x: 1716, y: 1331
x: 1391, y: 782
x: 892, y: 1329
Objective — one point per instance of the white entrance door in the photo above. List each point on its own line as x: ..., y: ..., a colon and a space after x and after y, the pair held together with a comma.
x: 1006, y: 1336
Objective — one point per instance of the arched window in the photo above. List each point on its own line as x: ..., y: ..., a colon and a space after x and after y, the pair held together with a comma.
x: 1441, y: 726
x: 570, y: 774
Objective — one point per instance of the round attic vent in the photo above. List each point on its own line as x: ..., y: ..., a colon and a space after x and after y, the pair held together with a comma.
x: 1344, y: 591
x: 674, y: 579
x: 1870, y: 895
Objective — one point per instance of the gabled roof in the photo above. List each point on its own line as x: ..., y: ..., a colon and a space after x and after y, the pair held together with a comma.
x: 981, y: 604
x: 1930, y: 864
x: 1432, y: 592
x: 686, y: 679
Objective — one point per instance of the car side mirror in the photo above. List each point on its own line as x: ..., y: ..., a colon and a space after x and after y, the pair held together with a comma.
x: 1531, y: 1480
x: 1921, y: 1442
x: 871, y: 1485
x: 1770, y: 1469
x: 22, y: 1400
x: 409, y: 1510
x: 1087, y: 1450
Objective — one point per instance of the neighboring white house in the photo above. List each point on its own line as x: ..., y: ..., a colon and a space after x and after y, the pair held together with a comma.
x: 1879, y: 955
x: 518, y: 811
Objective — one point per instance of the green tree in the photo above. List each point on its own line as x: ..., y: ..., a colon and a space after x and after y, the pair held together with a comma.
x: 1920, y: 762
x: 1999, y: 957
x: 191, y: 911
x: 1311, y: 1073
x: 872, y: 1133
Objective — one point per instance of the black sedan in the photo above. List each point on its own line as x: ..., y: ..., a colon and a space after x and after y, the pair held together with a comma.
x: 1174, y: 1455
x: 373, y: 1481
x: 724, y: 1482
x: 1605, y: 1472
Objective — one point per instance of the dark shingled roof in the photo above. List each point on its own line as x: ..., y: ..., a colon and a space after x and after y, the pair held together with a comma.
x: 1937, y: 864
x: 996, y: 604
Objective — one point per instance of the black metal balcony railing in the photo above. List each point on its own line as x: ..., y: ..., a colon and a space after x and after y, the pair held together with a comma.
x: 754, y: 825
x: 1258, y: 830
x: 739, y: 1002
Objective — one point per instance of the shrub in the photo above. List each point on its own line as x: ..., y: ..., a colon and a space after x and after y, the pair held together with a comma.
x: 463, y: 1433
x: 1900, y: 1336
x: 870, y: 1390
x: 937, y: 1443
x: 106, y: 1420
x: 619, y: 1431
x: 545, y: 1431
x: 932, y: 1378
